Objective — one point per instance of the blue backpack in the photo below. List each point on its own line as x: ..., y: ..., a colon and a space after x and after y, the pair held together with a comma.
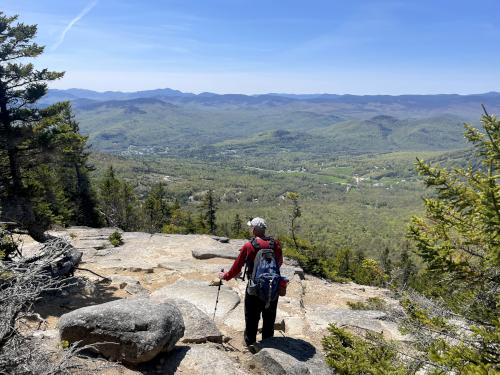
x: 265, y: 279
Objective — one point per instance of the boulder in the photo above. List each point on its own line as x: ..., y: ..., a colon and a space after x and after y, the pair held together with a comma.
x: 131, y: 285
x: 200, y: 327
x: 200, y: 360
x: 220, y: 239
x: 215, y: 252
x: 275, y: 362
x: 130, y: 330
x: 201, y: 295
x: 286, y: 355
x: 290, y: 271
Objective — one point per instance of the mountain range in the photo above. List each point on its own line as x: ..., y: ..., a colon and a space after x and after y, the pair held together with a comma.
x: 173, y: 122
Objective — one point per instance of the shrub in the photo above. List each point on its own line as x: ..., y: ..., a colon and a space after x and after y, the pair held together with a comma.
x: 373, y: 303
x: 116, y: 239
x: 370, y: 273
x: 8, y: 246
x: 351, y: 355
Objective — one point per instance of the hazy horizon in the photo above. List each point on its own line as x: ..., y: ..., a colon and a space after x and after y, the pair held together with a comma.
x: 197, y: 92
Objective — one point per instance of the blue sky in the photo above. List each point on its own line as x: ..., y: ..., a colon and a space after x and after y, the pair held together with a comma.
x: 259, y: 46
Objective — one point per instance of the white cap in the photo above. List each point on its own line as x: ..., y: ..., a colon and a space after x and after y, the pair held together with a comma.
x: 257, y: 222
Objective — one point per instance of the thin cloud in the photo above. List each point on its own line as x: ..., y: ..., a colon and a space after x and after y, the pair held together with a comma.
x: 85, y: 10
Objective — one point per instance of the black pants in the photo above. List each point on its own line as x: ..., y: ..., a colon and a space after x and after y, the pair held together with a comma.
x: 253, y: 308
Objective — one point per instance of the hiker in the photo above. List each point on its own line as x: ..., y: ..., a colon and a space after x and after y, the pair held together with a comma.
x: 255, y: 304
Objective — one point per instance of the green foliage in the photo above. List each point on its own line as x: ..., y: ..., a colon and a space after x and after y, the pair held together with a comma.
x: 342, y: 267
x: 210, y: 208
x: 458, y: 242
x: 369, y: 272
x: 351, y: 355
x: 181, y: 222
x: 220, y: 129
x: 43, y: 170
x: 407, y: 269
x: 118, y: 202
x: 466, y: 358
x: 385, y: 260
x: 156, y: 208
x: 237, y: 229
x: 116, y: 239
x: 367, y: 217
x: 8, y: 245
x: 372, y: 303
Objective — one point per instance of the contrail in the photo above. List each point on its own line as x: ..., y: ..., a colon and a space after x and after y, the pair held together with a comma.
x: 85, y: 10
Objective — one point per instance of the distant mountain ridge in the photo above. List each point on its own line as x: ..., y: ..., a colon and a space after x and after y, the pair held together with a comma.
x: 209, y: 124
x: 76, y: 93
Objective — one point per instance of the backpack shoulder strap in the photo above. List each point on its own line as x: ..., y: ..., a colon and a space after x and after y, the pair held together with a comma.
x: 255, y: 243
x: 272, y: 244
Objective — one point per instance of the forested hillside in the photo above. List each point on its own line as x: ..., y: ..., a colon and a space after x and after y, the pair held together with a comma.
x: 175, y: 123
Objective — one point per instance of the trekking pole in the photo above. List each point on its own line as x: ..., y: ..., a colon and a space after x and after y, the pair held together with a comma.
x: 218, y: 291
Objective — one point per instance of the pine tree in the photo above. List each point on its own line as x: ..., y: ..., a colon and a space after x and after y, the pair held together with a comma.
x: 156, y: 208
x: 407, y: 267
x: 210, y: 208
x: 66, y: 154
x: 118, y: 202
x: 385, y: 260
x: 343, y: 260
x: 43, y: 158
x: 459, y: 242
x: 237, y: 227
x: 360, y: 256
x: 21, y: 85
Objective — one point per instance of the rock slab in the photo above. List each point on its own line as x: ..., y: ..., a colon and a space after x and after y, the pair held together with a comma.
x: 209, y: 253
x: 201, y: 360
x: 286, y: 355
x: 201, y: 295
x: 200, y: 327
x: 131, y: 330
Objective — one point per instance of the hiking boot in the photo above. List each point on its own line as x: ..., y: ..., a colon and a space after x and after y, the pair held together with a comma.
x: 253, y: 348
x: 249, y: 347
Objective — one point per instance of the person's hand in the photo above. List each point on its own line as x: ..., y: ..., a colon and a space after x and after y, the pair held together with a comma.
x: 221, y: 275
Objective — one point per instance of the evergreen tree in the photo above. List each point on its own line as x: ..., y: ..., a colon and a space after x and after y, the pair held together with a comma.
x: 200, y: 224
x: 156, y: 208
x: 385, y: 260
x: 459, y: 242
x: 360, y: 256
x: 118, y: 202
x: 407, y: 268
x: 180, y: 221
x: 210, y: 208
x: 43, y: 162
x: 21, y: 85
x: 237, y: 225
x: 67, y: 156
x: 343, y: 260
x: 237, y: 230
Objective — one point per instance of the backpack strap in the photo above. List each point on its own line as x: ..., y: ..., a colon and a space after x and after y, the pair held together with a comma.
x: 255, y: 243
x: 272, y: 244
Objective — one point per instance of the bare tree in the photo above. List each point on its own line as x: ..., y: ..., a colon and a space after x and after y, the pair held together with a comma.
x: 23, y: 282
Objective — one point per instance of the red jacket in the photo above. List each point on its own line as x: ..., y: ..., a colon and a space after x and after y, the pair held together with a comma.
x: 249, y: 252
